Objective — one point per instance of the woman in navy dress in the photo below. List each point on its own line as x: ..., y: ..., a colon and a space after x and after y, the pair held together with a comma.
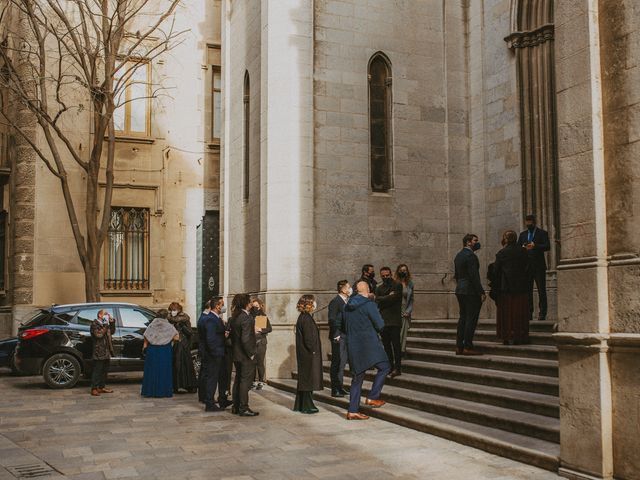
x: 157, y: 380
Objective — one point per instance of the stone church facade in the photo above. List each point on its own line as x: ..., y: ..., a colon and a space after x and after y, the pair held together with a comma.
x: 383, y: 131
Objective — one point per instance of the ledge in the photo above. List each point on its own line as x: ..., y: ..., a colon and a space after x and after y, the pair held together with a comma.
x: 126, y: 293
x: 132, y: 139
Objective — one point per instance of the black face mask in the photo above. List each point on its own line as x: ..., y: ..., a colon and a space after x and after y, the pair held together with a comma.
x: 387, y: 281
x: 402, y: 274
x: 255, y: 309
x: 531, y: 228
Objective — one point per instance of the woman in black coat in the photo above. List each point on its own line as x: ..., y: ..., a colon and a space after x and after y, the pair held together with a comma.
x: 511, y: 270
x: 309, y: 356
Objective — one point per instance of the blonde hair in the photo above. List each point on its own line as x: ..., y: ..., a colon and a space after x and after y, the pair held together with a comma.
x: 305, y: 304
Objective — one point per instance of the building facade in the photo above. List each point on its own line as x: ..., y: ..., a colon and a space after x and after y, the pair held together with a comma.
x: 385, y: 131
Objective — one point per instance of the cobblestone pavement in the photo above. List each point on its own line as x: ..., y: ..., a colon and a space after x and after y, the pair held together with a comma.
x: 123, y: 435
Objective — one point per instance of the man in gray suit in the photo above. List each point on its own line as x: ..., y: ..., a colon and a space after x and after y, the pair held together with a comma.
x: 469, y: 293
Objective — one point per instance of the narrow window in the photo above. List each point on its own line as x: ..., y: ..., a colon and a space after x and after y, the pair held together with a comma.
x: 214, y: 58
x: 132, y: 116
x: 247, y: 137
x: 380, y: 123
x: 127, y: 250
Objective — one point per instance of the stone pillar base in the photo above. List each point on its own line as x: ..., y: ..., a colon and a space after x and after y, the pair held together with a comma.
x: 575, y: 475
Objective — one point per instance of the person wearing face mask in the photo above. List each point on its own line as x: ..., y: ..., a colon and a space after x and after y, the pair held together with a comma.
x: 184, y: 375
x: 469, y: 293
x: 211, y: 334
x: 403, y: 276
x: 308, y: 355
x: 389, y: 300
x: 258, y: 309
x: 157, y: 380
x: 102, y: 329
x: 243, y: 338
x: 338, y: 338
x: 369, y: 276
x: 536, y: 242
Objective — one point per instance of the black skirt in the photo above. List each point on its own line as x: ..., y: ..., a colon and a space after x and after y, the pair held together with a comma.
x: 184, y: 375
x: 304, y: 402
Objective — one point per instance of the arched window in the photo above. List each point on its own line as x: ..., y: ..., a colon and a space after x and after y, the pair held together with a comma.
x: 246, y: 112
x: 531, y: 40
x: 380, y: 123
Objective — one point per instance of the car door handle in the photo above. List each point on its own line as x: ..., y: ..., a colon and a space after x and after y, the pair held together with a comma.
x: 129, y: 337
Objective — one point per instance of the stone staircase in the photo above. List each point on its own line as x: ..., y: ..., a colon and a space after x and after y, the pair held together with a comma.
x: 504, y: 402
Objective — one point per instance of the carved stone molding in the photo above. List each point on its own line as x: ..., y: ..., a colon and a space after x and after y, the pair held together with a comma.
x: 531, y: 39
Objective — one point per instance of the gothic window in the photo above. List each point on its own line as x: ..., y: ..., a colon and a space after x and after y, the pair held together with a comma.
x: 532, y: 42
x: 126, y: 259
x: 214, y: 58
x: 380, y: 115
x: 246, y: 137
x: 132, y: 116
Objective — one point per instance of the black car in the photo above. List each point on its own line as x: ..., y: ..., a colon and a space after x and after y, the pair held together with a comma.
x: 56, y: 342
x: 7, y: 350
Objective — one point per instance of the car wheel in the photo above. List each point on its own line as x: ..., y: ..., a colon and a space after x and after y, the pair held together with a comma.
x: 197, y: 363
x: 61, y: 371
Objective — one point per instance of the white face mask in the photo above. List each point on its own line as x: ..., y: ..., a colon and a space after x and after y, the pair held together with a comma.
x: 349, y: 292
x: 315, y: 306
x: 223, y: 309
x: 174, y: 313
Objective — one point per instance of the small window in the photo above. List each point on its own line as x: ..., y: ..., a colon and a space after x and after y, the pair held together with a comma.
x: 87, y: 316
x: 127, y: 250
x: 132, y: 116
x: 216, y: 104
x: 134, y: 318
x: 380, y: 123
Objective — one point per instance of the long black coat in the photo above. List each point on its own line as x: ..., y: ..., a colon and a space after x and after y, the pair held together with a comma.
x: 511, y: 270
x: 389, y: 300
x: 541, y: 242
x: 309, y: 354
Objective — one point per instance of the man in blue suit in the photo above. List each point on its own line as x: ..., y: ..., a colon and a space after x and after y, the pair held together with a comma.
x: 536, y: 241
x: 469, y: 293
x: 363, y: 324
x: 211, y: 334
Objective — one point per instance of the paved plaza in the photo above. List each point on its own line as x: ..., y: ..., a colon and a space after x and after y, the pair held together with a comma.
x: 125, y: 436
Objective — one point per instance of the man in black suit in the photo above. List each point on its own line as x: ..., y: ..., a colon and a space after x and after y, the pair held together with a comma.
x: 536, y: 241
x: 211, y: 331
x: 243, y: 336
x: 469, y: 293
x: 369, y: 276
x: 338, y: 338
x: 389, y: 300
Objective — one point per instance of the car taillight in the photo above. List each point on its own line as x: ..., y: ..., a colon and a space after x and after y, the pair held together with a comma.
x: 33, y: 332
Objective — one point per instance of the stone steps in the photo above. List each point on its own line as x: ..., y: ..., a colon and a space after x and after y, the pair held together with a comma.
x: 522, y: 448
x: 484, y: 324
x: 537, y: 338
x: 536, y: 403
x: 547, y: 352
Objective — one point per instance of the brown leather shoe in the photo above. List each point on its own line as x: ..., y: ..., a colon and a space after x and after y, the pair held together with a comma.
x: 357, y: 416
x: 471, y: 352
x: 374, y: 403
x: 459, y: 351
x: 394, y: 374
x: 95, y: 392
x: 105, y: 390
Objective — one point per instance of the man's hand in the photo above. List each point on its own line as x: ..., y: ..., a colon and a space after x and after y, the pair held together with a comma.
x: 483, y: 297
x: 530, y: 245
x: 258, y: 330
x: 337, y: 339
x: 226, y: 334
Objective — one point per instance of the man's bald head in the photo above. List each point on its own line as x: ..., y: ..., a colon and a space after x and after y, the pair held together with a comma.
x: 362, y: 288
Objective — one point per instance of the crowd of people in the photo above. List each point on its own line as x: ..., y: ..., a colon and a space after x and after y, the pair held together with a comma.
x: 368, y: 325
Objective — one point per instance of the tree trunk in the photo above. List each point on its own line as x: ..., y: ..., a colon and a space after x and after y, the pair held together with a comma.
x: 92, y: 282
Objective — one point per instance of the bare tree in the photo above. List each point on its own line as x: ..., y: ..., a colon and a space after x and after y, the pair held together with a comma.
x: 60, y: 56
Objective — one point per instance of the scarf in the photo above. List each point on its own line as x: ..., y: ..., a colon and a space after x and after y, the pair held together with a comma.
x: 160, y: 332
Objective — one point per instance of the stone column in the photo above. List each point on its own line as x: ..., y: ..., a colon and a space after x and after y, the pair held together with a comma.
x: 586, y: 445
x: 286, y: 170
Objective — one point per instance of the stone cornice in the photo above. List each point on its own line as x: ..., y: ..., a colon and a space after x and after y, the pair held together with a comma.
x: 531, y: 38
x: 600, y: 342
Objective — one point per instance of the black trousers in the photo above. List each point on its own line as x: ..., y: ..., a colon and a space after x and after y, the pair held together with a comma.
x: 539, y: 276
x: 99, y: 373
x: 261, y: 353
x: 339, y: 358
x: 209, y: 377
x: 391, y: 339
x: 245, y: 373
x: 469, y: 313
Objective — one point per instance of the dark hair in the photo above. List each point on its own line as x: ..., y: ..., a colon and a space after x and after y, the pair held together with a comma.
x: 530, y: 217
x: 366, y: 267
x: 259, y: 301
x: 214, y: 301
x: 467, y: 238
x: 396, y: 276
x: 341, y: 284
x: 162, y: 313
x: 385, y: 269
x: 509, y: 237
x: 240, y: 301
x: 305, y: 304
x: 175, y: 306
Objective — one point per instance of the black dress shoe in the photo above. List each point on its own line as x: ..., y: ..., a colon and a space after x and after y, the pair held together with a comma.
x: 248, y: 413
x: 213, y: 408
x: 337, y: 394
x: 310, y: 410
x: 234, y: 410
x: 224, y: 403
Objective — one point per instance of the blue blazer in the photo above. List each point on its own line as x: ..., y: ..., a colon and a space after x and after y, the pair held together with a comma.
x: 467, y: 268
x: 211, y: 335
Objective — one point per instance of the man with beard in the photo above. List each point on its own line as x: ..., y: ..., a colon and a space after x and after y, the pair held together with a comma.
x: 389, y: 300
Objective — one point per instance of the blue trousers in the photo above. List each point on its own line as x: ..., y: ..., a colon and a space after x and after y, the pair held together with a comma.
x: 378, y: 382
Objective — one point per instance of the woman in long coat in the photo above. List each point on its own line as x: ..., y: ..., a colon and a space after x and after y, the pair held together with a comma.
x: 184, y: 375
x: 309, y: 356
x: 510, y: 272
x: 157, y: 380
